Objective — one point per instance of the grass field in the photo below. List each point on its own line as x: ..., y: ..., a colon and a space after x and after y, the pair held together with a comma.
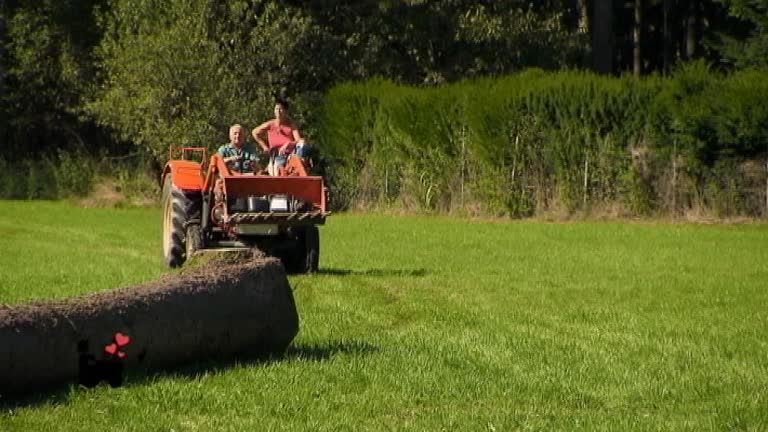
x: 431, y: 323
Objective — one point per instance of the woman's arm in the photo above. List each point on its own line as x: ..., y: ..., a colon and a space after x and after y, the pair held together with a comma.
x: 258, y: 135
x: 297, y: 138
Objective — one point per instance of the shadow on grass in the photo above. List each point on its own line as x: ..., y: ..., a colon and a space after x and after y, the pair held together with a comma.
x: 295, y: 352
x: 372, y: 272
x: 320, y: 352
x: 53, y: 395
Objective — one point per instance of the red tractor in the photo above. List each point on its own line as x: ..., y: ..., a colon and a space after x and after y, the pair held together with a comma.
x: 208, y: 206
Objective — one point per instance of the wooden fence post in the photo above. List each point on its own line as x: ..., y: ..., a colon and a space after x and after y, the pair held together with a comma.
x: 514, y: 157
x: 386, y: 182
x: 462, y: 138
x: 586, y: 178
x: 674, y: 176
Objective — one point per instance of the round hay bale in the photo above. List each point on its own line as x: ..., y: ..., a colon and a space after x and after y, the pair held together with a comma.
x: 215, y: 311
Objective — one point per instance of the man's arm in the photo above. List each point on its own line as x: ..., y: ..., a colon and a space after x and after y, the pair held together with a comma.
x: 223, y: 153
x: 258, y: 133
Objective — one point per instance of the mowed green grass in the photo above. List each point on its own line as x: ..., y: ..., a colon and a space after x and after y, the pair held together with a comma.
x: 432, y: 323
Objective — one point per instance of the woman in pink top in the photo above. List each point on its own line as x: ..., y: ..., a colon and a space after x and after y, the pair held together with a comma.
x: 279, y: 134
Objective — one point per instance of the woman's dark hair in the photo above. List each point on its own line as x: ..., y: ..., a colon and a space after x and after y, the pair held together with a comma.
x: 283, y: 102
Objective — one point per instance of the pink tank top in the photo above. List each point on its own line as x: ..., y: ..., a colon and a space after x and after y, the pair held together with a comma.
x: 279, y: 135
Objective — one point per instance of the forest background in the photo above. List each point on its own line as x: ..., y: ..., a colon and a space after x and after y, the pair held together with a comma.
x: 504, y: 107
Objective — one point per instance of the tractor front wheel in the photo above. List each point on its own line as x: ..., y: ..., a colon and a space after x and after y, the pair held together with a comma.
x: 194, y: 239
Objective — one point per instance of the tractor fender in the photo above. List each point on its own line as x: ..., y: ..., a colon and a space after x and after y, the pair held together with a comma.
x: 185, y: 174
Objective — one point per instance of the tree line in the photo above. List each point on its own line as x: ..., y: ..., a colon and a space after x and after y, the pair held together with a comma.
x: 146, y: 73
x: 645, y: 36
x: 122, y: 76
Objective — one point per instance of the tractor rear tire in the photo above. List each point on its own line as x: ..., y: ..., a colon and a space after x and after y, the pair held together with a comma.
x: 175, y: 206
x: 311, y: 249
x: 304, y: 256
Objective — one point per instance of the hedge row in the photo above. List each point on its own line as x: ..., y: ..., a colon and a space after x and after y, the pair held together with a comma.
x: 538, y: 142
x: 63, y: 175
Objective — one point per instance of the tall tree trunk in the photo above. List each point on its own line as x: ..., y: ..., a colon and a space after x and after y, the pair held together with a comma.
x: 637, y: 39
x: 602, y: 36
x: 692, y: 29
x: 583, y: 7
x: 2, y: 52
x: 667, y: 40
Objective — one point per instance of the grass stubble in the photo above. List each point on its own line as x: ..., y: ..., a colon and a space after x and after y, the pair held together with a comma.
x: 435, y: 323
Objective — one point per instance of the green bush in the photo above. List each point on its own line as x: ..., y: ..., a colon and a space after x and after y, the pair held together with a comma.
x: 7, y: 180
x: 74, y: 173
x: 540, y: 141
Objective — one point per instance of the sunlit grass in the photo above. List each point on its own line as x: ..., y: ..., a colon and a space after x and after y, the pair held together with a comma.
x: 430, y: 323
